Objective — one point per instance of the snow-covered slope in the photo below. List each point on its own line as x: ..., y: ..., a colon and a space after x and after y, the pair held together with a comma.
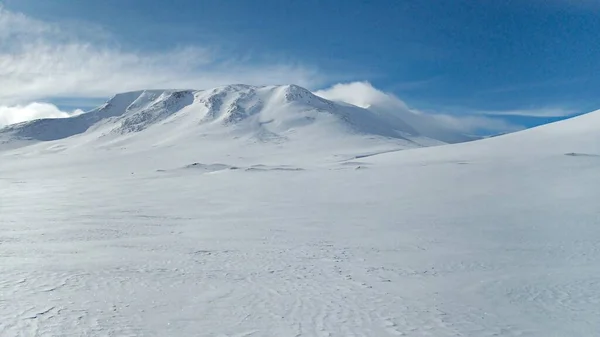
x: 223, y: 217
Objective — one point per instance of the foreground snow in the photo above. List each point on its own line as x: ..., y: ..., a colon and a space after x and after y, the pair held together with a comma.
x: 233, y: 238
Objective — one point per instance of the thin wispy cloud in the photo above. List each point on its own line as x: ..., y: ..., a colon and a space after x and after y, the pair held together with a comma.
x: 41, y: 60
x: 433, y: 124
x: 531, y: 86
x: 533, y: 112
x: 414, y: 85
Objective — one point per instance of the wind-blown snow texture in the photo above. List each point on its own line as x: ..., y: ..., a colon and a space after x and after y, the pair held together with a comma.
x: 183, y: 213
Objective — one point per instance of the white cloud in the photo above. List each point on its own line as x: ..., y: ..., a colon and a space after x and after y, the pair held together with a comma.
x: 41, y: 60
x: 31, y: 111
x: 436, y: 125
x: 361, y: 94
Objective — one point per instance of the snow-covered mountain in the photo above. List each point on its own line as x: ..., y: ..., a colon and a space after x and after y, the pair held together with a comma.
x: 244, y: 211
x: 273, y: 113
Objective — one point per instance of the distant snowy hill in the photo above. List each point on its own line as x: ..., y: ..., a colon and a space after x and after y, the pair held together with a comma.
x: 269, y: 114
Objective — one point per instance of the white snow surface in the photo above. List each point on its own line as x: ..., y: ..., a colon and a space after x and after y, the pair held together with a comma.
x: 175, y: 213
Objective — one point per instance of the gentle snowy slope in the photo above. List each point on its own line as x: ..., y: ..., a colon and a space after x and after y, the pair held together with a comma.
x: 213, y: 214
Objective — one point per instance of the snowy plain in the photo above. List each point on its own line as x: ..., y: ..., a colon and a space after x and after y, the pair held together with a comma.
x: 217, y: 219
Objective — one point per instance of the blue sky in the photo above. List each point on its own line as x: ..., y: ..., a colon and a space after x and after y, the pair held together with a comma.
x: 525, y: 62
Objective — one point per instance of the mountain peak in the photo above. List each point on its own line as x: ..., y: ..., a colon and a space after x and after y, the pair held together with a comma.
x: 295, y: 93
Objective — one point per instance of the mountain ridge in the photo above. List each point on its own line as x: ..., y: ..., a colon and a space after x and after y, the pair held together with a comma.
x: 279, y: 109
